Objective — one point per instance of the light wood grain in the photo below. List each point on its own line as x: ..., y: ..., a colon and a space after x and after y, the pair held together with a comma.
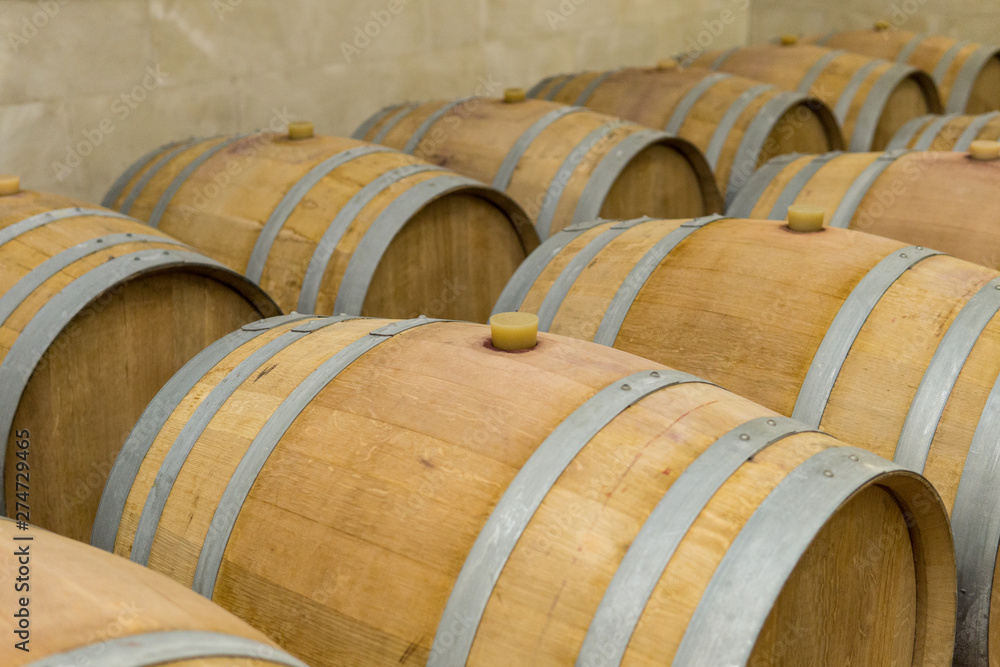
x: 81, y: 596
x: 945, y: 201
x: 650, y: 96
x: 350, y: 541
x: 667, y: 179
x: 450, y: 259
x: 109, y: 361
x: 747, y: 303
x: 787, y: 66
x: 888, y: 44
x: 947, y: 137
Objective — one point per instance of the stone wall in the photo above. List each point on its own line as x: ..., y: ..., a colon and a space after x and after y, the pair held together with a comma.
x: 88, y: 86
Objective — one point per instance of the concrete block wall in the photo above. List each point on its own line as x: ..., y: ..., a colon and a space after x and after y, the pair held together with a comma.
x: 86, y: 87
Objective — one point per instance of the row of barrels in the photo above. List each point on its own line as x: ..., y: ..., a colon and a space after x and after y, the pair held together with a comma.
x: 416, y: 531
x: 243, y: 447
x: 566, y: 502
x: 218, y: 483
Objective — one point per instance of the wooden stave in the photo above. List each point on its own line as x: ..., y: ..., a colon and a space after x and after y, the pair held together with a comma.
x: 361, y: 326
x: 860, y: 191
x: 873, y: 84
x: 122, y: 630
x: 58, y: 285
x: 409, y: 126
x: 976, y: 571
x: 156, y: 179
x: 703, y: 81
x: 963, y: 62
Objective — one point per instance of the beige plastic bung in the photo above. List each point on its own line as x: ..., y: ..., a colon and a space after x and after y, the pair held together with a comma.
x: 882, y: 26
x: 514, y: 331
x: 302, y: 129
x: 805, y: 218
x: 9, y: 184
x: 514, y: 95
x: 789, y: 40
x: 984, y: 150
x: 667, y: 63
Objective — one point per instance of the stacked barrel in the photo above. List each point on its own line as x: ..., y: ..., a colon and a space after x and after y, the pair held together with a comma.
x: 738, y: 123
x: 564, y: 165
x: 649, y: 365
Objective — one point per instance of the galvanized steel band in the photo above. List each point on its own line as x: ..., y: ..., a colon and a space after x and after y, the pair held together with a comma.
x: 147, y: 176
x: 150, y: 423
x: 794, y: 186
x: 168, y: 646
x: 843, y: 331
x: 632, y: 586
x: 856, y: 192
x: 181, y: 178
x: 741, y: 593
x: 115, y: 191
x: 291, y: 199
x: 228, y: 509
x: 941, y: 374
x: 348, y: 213
x: 192, y: 430
x: 49, y: 321
x: 503, y: 529
x: 622, y: 302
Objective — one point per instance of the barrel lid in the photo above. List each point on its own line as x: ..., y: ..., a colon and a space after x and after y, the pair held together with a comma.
x: 514, y: 95
x: 302, y: 129
x: 806, y: 218
x: 514, y: 331
x: 984, y: 150
x: 10, y: 184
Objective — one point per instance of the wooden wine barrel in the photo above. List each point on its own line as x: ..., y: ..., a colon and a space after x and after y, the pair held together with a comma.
x: 424, y: 497
x: 894, y: 348
x: 327, y: 224
x: 98, y: 311
x: 562, y: 164
x: 87, y: 607
x: 967, y: 74
x: 871, y: 99
x: 950, y: 132
x: 737, y: 123
x: 946, y: 201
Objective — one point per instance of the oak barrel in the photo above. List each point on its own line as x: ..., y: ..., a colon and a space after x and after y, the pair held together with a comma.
x: 949, y: 132
x: 966, y: 73
x: 737, y: 123
x: 891, y: 347
x: 564, y: 165
x: 424, y: 497
x: 72, y: 605
x: 97, y: 311
x: 870, y: 98
x: 327, y: 224
x: 946, y: 201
